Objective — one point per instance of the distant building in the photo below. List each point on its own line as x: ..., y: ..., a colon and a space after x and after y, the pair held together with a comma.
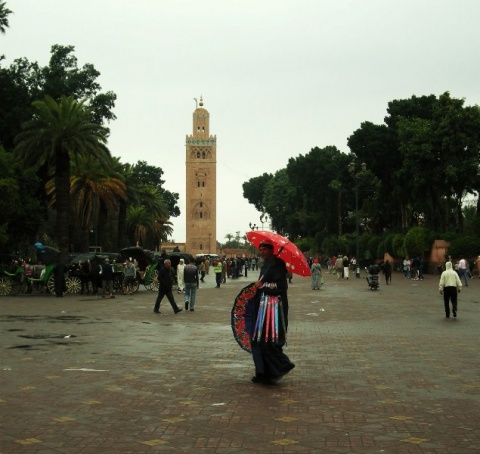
x: 201, y: 186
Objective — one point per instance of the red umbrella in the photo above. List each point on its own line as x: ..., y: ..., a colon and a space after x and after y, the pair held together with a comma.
x: 293, y: 257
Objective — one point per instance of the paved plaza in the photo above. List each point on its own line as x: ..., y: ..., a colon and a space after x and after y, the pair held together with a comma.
x: 376, y: 372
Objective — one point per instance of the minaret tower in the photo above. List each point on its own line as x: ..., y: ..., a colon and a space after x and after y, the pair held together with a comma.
x: 201, y: 193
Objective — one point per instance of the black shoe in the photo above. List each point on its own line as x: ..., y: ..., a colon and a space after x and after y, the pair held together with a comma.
x: 260, y: 378
x: 454, y: 313
x: 447, y: 316
x: 156, y: 312
x: 287, y: 370
x: 186, y: 305
x: 178, y: 310
x: 191, y: 310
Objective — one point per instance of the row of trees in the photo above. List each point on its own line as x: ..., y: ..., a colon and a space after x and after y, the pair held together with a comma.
x: 59, y: 182
x: 421, y: 168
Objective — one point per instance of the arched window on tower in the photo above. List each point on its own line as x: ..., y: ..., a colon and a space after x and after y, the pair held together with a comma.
x: 201, y: 215
x: 201, y: 246
x: 203, y: 154
x: 201, y: 204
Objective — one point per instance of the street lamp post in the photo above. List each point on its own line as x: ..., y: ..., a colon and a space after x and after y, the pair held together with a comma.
x: 263, y: 218
x: 351, y: 169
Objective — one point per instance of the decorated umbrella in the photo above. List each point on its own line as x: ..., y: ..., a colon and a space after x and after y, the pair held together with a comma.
x: 284, y: 249
x: 243, y: 317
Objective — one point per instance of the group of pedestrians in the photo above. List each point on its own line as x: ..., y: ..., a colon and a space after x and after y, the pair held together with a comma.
x: 189, y: 280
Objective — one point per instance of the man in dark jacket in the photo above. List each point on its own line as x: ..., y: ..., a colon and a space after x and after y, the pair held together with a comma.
x: 106, y: 271
x: 165, y: 289
x: 270, y: 362
x: 190, y: 278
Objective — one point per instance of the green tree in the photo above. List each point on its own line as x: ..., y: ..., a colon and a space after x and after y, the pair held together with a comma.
x: 416, y: 241
x: 24, y: 82
x: 254, y: 189
x: 149, y: 175
x: 95, y: 193
x: 58, y: 132
x: 4, y: 13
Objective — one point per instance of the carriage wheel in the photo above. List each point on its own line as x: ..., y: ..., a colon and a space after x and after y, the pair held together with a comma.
x: 118, y: 281
x: 5, y: 286
x: 51, y: 285
x: 74, y: 284
x: 154, y: 285
x: 135, y: 285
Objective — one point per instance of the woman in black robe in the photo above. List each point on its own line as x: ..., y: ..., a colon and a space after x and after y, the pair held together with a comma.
x: 271, y: 364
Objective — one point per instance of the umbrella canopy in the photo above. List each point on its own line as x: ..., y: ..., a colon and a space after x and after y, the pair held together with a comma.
x: 283, y: 248
x: 243, y: 317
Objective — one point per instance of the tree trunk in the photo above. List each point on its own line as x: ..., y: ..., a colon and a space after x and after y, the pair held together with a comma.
x: 122, y: 224
x: 63, y: 205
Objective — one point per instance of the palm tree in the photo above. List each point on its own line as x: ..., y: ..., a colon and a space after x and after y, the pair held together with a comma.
x: 139, y: 222
x: 4, y: 12
x: 132, y: 197
x: 58, y: 132
x: 94, y: 192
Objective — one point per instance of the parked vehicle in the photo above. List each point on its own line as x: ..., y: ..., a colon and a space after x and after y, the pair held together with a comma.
x: 147, y: 272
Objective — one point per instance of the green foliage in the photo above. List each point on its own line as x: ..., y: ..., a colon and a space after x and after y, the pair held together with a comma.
x: 334, y: 245
x: 398, y: 245
x: 254, y: 190
x: 4, y: 13
x: 389, y: 244
x: 381, y: 249
x: 372, y: 247
x: 306, y: 244
x: 25, y: 82
x: 465, y: 246
x: 415, y: 241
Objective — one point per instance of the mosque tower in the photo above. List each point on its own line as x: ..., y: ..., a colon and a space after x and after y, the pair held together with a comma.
x: 201, y: 190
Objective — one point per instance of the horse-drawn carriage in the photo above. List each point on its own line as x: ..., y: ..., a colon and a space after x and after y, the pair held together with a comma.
x: 17, y: 280
x: 146, y: 263
x: 85, y: 267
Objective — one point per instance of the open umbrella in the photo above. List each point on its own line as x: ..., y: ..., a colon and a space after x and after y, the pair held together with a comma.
x: 292, y: 256
x: 243, y: 317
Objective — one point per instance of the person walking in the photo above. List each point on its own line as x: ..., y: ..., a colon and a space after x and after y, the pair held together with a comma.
x: 165, y: 288
x: 449, y: 286
x: 387, y: 271
x: 339, y: 266
x: 59, y: 279
x: 346, y: 264
x: 201, y: 270
x: 106, y: 272
x: 462, y: 270
x: 224, y: 270
x: 190, y: 277
x: 271, y: 364
x: 180, y: 283
x: 129, y: 273
x: 316, y: 271
x: 217, y: 269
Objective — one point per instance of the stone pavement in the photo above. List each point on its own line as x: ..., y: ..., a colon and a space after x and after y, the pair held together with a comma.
x: 377, y: 372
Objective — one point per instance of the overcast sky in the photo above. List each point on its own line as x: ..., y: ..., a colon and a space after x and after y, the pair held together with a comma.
x: 278, y: 77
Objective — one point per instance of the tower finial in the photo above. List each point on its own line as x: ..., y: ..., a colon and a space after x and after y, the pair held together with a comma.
x: 201, y: 101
